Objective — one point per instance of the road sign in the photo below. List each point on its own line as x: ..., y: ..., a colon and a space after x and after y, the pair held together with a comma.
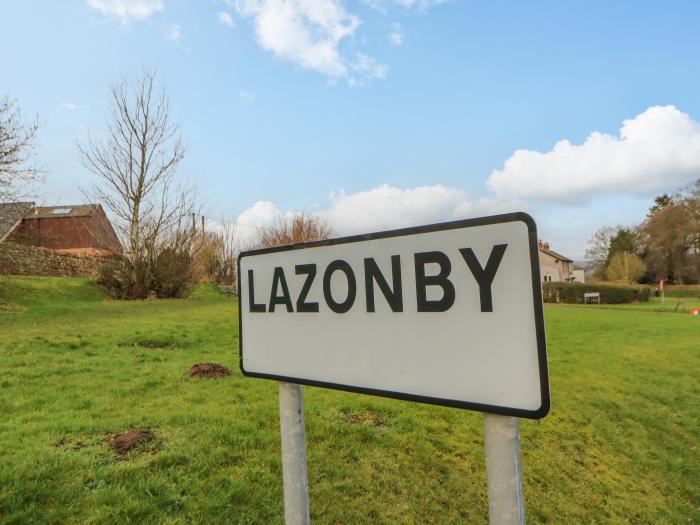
x: 449, y: 314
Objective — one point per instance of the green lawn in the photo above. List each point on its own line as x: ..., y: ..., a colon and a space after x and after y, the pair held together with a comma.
x: 619, y: 446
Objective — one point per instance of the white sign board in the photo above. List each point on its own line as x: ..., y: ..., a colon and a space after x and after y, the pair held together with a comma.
x: 449, y: 314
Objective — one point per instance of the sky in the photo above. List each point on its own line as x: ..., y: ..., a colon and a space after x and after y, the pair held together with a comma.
x: 376, y: 114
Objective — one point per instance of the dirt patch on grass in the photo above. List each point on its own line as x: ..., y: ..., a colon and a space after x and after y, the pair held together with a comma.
x: 366, y: 418
x: 11, y: 309
x: 126, y: 441
x: 209, y: 370
x: 65, y: 442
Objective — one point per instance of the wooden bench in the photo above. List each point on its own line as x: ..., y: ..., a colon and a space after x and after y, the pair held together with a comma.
x: 589, y: 296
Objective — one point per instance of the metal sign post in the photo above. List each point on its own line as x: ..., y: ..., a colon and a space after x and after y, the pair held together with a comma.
x: 504, y: 473
x: 295, y: 480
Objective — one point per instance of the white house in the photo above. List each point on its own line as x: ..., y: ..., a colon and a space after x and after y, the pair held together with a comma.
x: 556, y: 267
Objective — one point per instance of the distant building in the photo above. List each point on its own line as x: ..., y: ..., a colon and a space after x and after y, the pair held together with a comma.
x: 579, y: 274
x: 80, y: 230
x: 556, y: 267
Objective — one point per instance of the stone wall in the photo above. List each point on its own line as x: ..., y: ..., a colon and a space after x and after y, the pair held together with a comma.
x: 17, y: 259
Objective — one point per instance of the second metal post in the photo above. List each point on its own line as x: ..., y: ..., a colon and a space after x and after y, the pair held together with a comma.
x: 504, y: 473
x: 296, y: 484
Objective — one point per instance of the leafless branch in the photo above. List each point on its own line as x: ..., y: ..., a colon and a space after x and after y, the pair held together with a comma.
x: 17, y: 148
x: 299, y: 228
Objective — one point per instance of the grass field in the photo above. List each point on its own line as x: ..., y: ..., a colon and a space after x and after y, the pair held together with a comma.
x: 619, y: 446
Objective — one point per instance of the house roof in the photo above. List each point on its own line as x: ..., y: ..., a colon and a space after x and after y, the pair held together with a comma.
x: 11, y: 214
x: 55, y: 212
x: 555, y: 255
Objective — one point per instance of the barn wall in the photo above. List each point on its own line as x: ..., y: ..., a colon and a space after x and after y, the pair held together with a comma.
x: 64, y: 232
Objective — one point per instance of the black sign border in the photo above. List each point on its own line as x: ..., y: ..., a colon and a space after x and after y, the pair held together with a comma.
x: 466, y: 223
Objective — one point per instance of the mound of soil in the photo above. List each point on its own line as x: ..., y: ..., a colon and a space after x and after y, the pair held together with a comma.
x: 210, y: 370
x: 126, y: 441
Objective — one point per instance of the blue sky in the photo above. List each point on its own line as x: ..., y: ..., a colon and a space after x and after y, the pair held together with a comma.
x: 382, y: 113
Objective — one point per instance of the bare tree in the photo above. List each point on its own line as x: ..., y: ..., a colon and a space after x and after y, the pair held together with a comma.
x: 17, y: 147
x: 598, y: 251
x: 137, y: 166
x: 227, y: 253
x: 215, y: 252
x: 298, y: 228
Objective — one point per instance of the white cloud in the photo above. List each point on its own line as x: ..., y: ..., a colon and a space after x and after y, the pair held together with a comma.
x: 309, y: 33
x: 376, y: 5
x: 657, y: 150
x: 396, y: 35
x: 125, y: 9
x: 387, y: 207
x: 382, y: 6
x: 382, y: 208
x: 263, y: 214
x: 368, y: 67
x: 72, y: 106
x: 419, y: 4
x: 246, y: 96
x: 174, y: 32
x: 225, y: 18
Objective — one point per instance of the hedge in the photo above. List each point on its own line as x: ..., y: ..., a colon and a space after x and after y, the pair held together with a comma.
x: 562, y: 292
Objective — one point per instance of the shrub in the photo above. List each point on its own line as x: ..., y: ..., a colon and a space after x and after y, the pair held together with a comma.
x: 563, y: 292
x: 292, y: 230
x: 170, y: 265
x: 167, y: 273
x: 214, y: 257
x: 124, y: 279
x: 172, y: 272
